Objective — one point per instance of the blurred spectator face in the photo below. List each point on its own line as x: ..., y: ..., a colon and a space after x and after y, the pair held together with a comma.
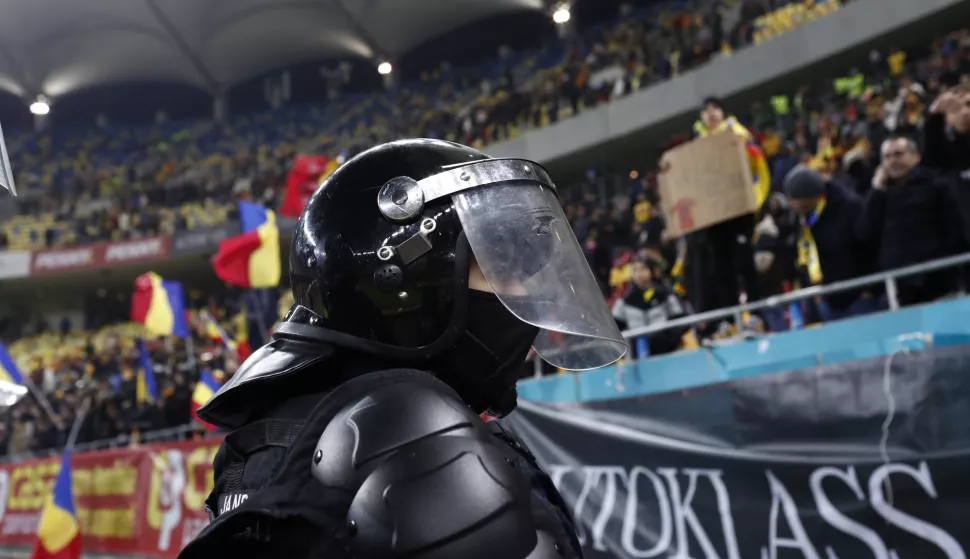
x: 899, y: 156
x: 712, y: 116
x: 640, y: 274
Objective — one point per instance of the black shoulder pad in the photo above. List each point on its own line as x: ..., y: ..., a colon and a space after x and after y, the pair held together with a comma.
x: 279, y: 358
x: 429, y: 481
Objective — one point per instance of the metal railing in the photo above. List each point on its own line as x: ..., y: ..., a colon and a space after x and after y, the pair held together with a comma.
x: 736, y: 313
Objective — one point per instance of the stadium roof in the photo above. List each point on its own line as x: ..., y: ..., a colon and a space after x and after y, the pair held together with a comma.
x: 57, y: 46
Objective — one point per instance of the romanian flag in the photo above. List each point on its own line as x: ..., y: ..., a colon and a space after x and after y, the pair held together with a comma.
x: 160, y: 306
x: 8, y: 369
x: 146, y: 390
x: 204, y: 390
x: 304, y: 178
x: 252, y: 259
x: 59, y: 532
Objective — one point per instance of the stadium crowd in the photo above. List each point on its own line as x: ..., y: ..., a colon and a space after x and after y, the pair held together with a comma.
x: 115, y: 183
x: 902, y: 117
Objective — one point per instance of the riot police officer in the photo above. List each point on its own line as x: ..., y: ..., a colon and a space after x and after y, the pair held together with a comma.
x: 422, y: 272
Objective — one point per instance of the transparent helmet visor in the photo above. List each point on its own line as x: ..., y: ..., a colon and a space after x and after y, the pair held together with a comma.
x: 527, y: 251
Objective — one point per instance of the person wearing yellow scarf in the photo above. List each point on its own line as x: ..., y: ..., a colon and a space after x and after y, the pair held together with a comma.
x: 828, y: 249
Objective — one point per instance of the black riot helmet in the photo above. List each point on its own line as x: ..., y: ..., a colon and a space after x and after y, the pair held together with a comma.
x: 382, y: 252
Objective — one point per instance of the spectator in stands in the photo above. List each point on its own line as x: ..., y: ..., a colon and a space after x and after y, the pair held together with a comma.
x: 911, y: 217
x: 650, y: 301
x: 721, y: 257
x: 774, y: 255
x: 946, y: 144
x: 828, y: 250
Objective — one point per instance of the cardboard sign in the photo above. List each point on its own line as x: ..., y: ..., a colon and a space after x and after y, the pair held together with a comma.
x: 708, y: 181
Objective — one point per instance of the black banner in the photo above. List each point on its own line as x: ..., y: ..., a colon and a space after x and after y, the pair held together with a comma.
x: 865, y: 459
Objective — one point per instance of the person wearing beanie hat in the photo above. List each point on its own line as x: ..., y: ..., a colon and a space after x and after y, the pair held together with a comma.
x: 828, y: 248
x: 804, y: 188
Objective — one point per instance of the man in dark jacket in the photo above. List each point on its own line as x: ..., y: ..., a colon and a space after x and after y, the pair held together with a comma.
x: 911, y: 217
x: 828, y: 250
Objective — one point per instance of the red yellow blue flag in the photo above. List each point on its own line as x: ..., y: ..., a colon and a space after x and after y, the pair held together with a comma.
x: 59, y: 532
x: 251, y: 259
x: 159, y: 305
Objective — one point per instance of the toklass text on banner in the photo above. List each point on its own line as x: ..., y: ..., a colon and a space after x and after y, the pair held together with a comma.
x: 147, y: 501
x: 866, y: 459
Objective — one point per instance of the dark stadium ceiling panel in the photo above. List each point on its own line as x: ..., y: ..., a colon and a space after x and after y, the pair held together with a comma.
x: 53, y: 47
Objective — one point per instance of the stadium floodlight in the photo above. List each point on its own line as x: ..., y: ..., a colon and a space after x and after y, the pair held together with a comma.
x: 384, y: 68
x: 6, y: 174
x: 561, y: 15
x: 40, y: 106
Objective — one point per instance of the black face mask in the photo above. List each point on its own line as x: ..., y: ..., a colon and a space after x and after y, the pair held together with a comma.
x: 486, y: 361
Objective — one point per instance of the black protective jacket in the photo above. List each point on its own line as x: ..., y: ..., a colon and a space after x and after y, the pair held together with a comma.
x: 334, y: 454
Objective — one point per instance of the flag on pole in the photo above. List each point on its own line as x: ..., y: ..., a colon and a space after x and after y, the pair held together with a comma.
x: 204, y: 390
x: 216, y: 333
x: 8, y: 368
x: 160, y: 306
x: 146, y: 390
x: 59, y: 532
x: 251, y: 259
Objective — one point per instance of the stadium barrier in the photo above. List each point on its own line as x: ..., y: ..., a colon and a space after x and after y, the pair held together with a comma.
x: 145, y: 501
x: 888, y: 279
